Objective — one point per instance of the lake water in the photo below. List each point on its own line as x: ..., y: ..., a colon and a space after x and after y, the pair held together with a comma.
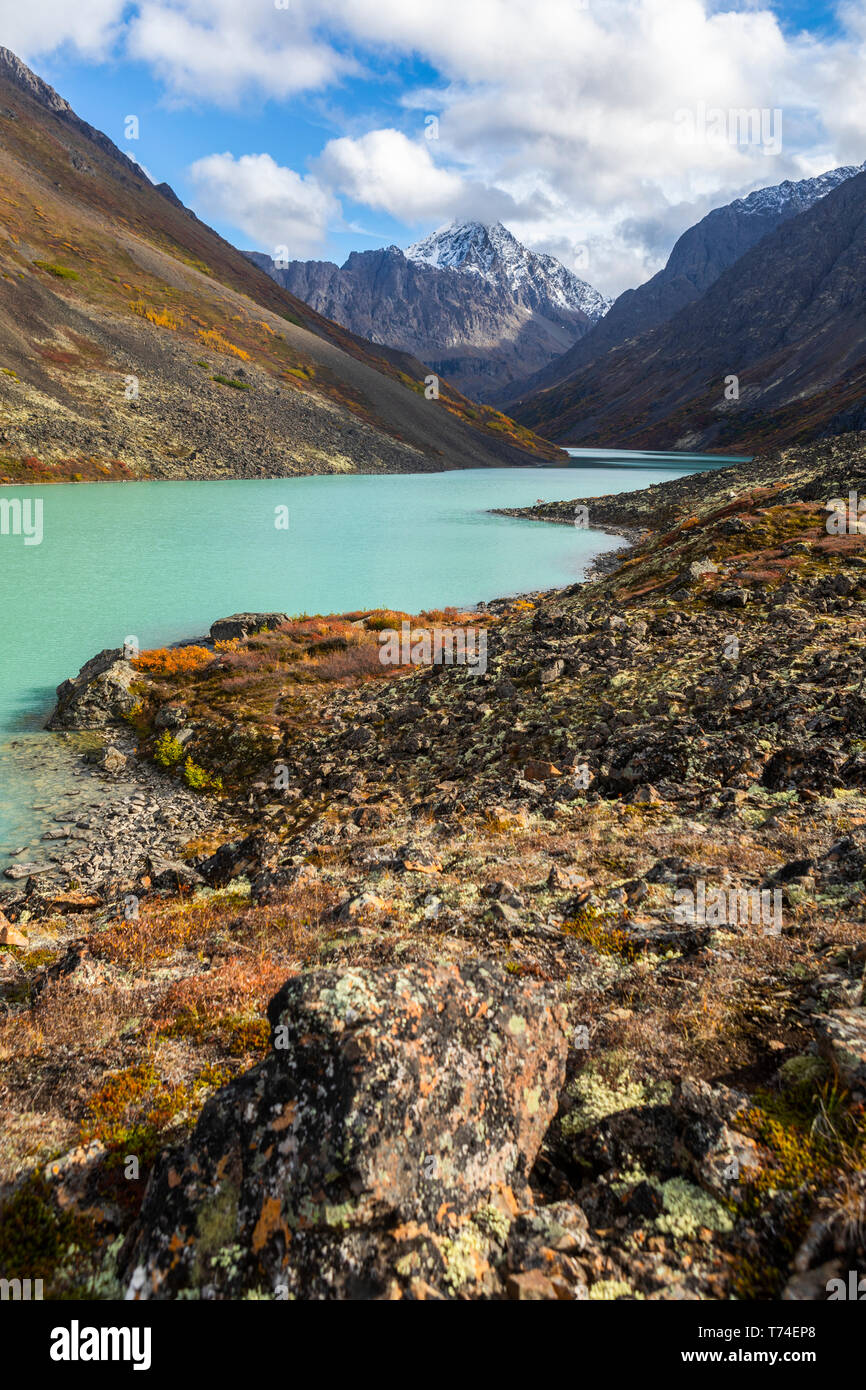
x: 160, y: 561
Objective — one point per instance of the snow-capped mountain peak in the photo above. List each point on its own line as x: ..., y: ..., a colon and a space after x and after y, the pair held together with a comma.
x: 797, y: 194
x: 495, y: 255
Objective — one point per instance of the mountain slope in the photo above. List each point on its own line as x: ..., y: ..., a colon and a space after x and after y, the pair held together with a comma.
x: 136, y: 341
x: 469, y: 300
x: 788, y: 319
x: 697, y: 260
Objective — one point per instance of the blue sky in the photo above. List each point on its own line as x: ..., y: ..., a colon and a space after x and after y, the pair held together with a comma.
x: 300, y: 124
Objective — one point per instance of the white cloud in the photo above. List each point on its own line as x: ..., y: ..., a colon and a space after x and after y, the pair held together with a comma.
x: 556, y: 117
x: 573, y: 109
x: 390, y: 173
x: 276, y: 207
x: 222, y: 50
x: 91, y: 26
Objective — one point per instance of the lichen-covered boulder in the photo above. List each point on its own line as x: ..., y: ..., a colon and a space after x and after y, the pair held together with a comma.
x: 98, y: 696
x: 842, y: 1040
x: 362, y: 1159
x: 240, y: 625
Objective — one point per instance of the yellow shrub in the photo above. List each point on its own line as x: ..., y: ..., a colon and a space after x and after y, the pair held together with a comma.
x: 163, y: 318
x: 214, y: 339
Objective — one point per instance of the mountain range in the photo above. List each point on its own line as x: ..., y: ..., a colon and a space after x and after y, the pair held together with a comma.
x: 135, y: 341
x: 697, y: 260
x: 469, y: 300
x: 774, y: 350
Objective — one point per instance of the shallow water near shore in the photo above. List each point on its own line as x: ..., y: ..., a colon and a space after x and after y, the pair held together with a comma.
x: 161, y: 561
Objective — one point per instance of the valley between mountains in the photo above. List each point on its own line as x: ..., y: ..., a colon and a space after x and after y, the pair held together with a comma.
x: 470, y: 884
x: 533, y: 978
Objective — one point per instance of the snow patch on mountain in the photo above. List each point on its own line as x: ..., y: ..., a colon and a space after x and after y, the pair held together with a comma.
x: 799, y: 193
x: 495, y: 255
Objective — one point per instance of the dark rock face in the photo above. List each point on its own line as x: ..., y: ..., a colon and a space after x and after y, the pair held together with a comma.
x: 786, y: 317
x: 700, y: 256
x: 394, y: 1105
x: 242, y: 624
x: 480, y: 336
x: 236, y: 857
x: 98, y: 696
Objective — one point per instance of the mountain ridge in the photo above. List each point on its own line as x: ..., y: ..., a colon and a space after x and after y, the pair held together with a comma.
x: 787, y: 320
x: 125, y: 322
x: 476, y: 308
x: 494, y: 253
x: 697, y: 259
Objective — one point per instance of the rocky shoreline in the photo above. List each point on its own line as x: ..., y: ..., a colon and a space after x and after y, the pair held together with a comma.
x: 103, y: 836
x: 609, y: 893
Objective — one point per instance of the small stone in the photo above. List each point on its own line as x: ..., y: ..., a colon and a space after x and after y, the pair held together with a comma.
x: 75, y: 901
x: 419, y: 861
x: 735, y: 597
x: 9, y: 935
x: 699, y: 568
x: 364, y: 903
x: 504, y: 912
x: 643, y: 796
x: 539, y: 771
x: 27, y: 870
x: 842, y: 1040
x: 564, y: 878
x: 548, y: 674
x: 530, y: 1286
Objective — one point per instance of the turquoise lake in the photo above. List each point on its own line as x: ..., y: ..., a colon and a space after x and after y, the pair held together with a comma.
x: 160, y: 561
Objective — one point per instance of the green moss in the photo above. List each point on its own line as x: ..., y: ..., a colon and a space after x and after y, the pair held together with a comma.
x: 199, y: 779
x: 237, y: 891
x: 34, y: 1235
x: 493, y: 1222
x: 236, y: 1034
x: 460, y: 1255
x: 232, y: 381
x: 801, y: 1076
x: 90, y: 1274
x: 134, y: 1108
x: 60, y: 272
x: 216, y: 1228
x: 38, y: 960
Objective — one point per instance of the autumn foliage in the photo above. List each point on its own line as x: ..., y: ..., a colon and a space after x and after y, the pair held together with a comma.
x: 173, y: 661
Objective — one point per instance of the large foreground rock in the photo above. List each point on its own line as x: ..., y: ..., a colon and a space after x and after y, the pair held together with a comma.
x: 394, y: 1105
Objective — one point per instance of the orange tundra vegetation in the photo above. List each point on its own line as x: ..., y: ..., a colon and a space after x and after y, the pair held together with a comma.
x: 173, y: 661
